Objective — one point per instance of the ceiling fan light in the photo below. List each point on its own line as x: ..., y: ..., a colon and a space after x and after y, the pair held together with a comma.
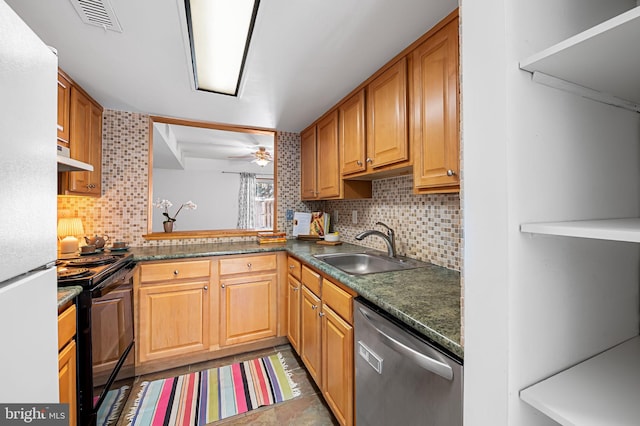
x: 261, y: 162
x: 219, y: 35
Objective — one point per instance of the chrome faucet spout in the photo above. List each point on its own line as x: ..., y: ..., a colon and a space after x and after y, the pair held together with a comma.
x: 389, y: 238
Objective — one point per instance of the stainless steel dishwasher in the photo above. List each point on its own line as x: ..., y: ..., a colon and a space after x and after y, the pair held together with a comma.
x: 401, y: 379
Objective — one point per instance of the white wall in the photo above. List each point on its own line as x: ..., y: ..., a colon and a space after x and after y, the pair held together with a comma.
x: 536, y: 305
x: 202, y: 181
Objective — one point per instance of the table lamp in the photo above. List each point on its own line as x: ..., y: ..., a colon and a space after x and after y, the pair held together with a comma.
x: 68, y: 229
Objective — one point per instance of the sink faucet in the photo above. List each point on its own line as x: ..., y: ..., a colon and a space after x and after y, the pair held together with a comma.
x: 389, y: 238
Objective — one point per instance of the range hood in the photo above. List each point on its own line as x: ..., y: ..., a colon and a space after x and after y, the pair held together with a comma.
x: 66, y: 164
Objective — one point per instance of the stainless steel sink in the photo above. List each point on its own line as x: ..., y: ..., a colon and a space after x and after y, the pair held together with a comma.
x: 367, y: 263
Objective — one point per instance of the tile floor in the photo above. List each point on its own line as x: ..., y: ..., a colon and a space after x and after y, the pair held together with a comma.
x: 309, y: 409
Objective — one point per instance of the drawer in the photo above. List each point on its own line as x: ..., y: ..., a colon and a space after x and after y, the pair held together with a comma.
x: 175, y: 270
x: 311, y: 280
x: 244, y: 264
x: 293, y: 267
x: 66, y: 326
x: 337, y: 299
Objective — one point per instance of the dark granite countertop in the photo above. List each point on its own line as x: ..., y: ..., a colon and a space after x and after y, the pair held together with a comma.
x: 67, y: 294
x: 427, y: 299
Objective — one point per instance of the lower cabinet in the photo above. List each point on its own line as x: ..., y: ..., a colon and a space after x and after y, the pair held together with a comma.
x: 311, y: 334
x: 248, y: 308
x: 326, y: 347
x: 193, y: 308
x: 67, y: 361
x: 294, y: 291
x: 174, y: 320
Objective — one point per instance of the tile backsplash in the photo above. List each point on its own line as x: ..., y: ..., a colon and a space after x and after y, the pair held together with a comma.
x: 428, y: 227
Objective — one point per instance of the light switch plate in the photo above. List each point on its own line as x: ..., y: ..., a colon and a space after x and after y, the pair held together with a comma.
x: 289, y: 214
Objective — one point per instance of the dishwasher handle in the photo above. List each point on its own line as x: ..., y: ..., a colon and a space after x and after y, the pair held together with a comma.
x: 441, y: 369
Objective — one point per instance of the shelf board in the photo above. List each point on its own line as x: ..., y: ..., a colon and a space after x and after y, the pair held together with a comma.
x: 627, y: 229
x: 603, y: 390
x: 604, y: 58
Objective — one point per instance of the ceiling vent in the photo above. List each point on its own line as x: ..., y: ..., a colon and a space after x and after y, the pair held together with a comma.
x: 99, y: 13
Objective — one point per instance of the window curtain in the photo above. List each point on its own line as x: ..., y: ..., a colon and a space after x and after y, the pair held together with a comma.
x: 246, y: 201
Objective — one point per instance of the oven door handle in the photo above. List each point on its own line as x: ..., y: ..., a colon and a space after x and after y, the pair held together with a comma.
x: 121, y: 280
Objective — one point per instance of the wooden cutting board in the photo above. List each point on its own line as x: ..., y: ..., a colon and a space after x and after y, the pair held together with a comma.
x: 329, y: 243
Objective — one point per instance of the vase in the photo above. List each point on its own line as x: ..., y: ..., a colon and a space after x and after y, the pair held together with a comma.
x: 168, y: 226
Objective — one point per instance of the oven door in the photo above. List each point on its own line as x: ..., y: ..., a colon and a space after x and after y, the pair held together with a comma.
x: 112, y: 341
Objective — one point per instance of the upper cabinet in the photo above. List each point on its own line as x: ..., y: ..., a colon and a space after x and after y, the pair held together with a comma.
x: 351, y: 125
x: 64, y: 94
x: 404, y: 117
x: 84, y: 141
x: 387, y: 133
x: 435, y: 134
x: 320, y: 163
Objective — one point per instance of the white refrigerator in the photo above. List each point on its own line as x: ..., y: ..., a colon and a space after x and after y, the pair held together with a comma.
x: 28, y: 210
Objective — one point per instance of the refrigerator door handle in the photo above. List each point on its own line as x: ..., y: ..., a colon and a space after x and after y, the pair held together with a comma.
x: 424, y: 361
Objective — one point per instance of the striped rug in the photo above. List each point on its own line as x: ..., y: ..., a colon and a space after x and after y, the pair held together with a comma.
x: 203, y: 397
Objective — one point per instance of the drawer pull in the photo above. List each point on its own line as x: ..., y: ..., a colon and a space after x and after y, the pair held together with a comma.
x: 176, y: 272
x: 249, y: 265
x: 291, y: 267
x: 296, y: 288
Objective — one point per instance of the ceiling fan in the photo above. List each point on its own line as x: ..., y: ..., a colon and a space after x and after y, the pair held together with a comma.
x: 261, y: 157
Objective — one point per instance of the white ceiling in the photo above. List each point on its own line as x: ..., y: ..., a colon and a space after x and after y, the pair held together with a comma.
x: 305, y: 55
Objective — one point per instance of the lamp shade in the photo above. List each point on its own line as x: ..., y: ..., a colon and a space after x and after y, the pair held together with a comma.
x: 70, y: 226
x: 68, y: 229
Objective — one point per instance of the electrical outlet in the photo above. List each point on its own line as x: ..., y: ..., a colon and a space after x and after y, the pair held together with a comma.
x: 354, y: 217
x: 289, y: 214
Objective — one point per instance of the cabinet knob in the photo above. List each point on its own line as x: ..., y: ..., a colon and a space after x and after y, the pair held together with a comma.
x: 249, y: 265
x: 205, y: 288
x: 451, y: 173
x: 291, y: 267
x: 369, y: 160
x: 320, y: 314
x: 314, y: 306
x: 176, y: 272
x: 296, y: 288
x: 359, y: 163
x: 222, y: 286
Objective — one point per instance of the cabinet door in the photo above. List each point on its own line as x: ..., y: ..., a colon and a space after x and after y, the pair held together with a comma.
x: 387, y: 135
x: 308, y: 172
x: 337, y: 365
x: 95, y: 151
x: 327, y: 157
x: 311, y: 333
x: 67, y: 379
x: 64, y: 93
x: 173, y: 320
x: 85, y: 144
x: 293, y: 312
x: 79, y: 182
x: 352, y: 134
x: 109, y: 341
x: 248, y: 308
x: 435, y: 117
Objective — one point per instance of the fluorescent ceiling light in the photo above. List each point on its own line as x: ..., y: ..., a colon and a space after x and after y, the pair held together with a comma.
x: 219, y: 34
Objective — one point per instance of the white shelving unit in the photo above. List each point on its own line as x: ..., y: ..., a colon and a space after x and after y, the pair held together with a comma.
x: 627, y: 229
x: 600, y: 63
x: 602, y: 390
x: 603, y: 64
